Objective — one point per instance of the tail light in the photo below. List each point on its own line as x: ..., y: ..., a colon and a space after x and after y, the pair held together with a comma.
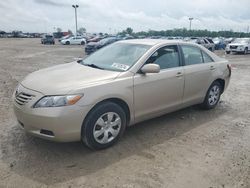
x: 229, y: 66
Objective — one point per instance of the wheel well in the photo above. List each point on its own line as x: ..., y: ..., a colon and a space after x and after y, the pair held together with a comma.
x: 222, y: 83
x: 119, y: 102
x: 122, y: 104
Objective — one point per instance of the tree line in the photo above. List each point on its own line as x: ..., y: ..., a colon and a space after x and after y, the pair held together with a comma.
x: 185, y: 33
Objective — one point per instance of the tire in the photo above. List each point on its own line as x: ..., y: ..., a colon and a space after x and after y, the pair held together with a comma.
x: 82, y: 43
x: 67, y: 43
x: 97, y: 122
x: 227, y: 52
x: 213, y: 96
x: 245, y: 51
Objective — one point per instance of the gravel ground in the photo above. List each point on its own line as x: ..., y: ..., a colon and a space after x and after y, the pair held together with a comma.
x: 188, y: 148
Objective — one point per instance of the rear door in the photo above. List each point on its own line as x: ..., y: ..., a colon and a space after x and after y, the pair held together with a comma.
x: 73, y: 40
x: 198, y: 73
x: 156, y: 93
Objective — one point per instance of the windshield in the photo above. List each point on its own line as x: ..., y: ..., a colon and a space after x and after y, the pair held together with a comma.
x: 117, y: 56
x: 241, y: 40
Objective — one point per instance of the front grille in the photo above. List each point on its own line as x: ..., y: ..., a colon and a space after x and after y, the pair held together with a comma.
x: 233, y: 47
x: 23, y: 98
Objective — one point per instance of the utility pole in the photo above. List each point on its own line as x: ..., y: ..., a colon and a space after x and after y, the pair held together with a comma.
x: 190, y: 23
x: 75, y: 7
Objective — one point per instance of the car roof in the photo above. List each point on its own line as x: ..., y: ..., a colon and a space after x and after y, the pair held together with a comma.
x: 159, y: 42
x: 153, y: 42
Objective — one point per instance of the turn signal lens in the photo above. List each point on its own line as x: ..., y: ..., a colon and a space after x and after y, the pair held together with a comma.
x: 74, y: 99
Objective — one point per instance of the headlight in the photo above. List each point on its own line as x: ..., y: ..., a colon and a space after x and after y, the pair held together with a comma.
x: 56, y: 101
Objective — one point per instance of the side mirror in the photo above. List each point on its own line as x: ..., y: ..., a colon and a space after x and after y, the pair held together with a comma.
x: 150, y: 68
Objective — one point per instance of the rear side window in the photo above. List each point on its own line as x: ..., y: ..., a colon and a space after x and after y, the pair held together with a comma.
x: 192, y: 55
x: 207, y: 58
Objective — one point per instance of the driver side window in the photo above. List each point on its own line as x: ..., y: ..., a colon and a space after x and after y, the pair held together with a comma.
x: 166, y: 57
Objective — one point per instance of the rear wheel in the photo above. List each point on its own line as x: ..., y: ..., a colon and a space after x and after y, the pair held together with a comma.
x: 82, y: 43
x: 227, y: 52
x: 104, y: 125
x: 213, y: 96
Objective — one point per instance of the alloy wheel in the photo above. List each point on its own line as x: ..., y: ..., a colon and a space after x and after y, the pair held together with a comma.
x: 214, y: 95
x: 107, y: 127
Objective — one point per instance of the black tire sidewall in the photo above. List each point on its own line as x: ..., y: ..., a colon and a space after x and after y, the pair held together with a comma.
x: 245, y: 51
x: 206, y: 104
x: 92, y: 117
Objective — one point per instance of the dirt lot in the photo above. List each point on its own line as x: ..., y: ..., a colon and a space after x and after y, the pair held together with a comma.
x: 189, y: 148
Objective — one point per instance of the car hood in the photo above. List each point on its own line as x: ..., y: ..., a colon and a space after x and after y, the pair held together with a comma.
x: 66, y: 78
x: 237, y: 44
x: 92, y: 43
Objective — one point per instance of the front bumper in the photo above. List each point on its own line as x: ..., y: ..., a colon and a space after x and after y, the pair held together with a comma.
x: 62, y: 124
x: 238, y: 49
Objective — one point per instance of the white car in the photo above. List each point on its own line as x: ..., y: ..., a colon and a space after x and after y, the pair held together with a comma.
x: 239, y: 45
x: 74, y: 40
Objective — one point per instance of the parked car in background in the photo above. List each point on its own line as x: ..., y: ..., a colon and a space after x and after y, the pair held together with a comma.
x: 128, y: 37
x: 239, y: 45
x: 206, y: 42
x: 229, y: 40
x: 219, y: 43
x: 96, y: 38
x: 93, y: 100
x: 74, y: 40
x: 64, y: 38
x: 93, y: 46
x: 48, y: 39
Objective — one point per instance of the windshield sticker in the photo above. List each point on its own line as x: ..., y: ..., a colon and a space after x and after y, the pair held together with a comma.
x: 120, y: 66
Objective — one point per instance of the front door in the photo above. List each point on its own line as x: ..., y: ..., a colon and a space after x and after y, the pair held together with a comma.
x: 158, y: 93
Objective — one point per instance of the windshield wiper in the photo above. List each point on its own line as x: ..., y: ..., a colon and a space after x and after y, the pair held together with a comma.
x: 93, y: 66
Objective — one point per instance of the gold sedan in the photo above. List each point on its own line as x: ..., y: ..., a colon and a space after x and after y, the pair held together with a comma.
x: 127, y: 82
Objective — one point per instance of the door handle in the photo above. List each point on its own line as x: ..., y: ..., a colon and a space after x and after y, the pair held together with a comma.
x: 179, y: 74
x: 212, y: 67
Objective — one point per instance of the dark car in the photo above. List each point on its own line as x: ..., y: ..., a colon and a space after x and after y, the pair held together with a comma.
x: 93, y: 46
x: 48, y: 39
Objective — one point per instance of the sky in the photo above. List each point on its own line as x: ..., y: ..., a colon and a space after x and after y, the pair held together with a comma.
x: 116, y: 15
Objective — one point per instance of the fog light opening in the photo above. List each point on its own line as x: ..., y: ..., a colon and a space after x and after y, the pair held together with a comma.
x: 47, y: 132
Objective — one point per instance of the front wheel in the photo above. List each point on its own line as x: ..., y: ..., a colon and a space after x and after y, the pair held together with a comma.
x: 104, y: 125
x: 82, y: 43
x: 213, y: 96
x: 245, y: 51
